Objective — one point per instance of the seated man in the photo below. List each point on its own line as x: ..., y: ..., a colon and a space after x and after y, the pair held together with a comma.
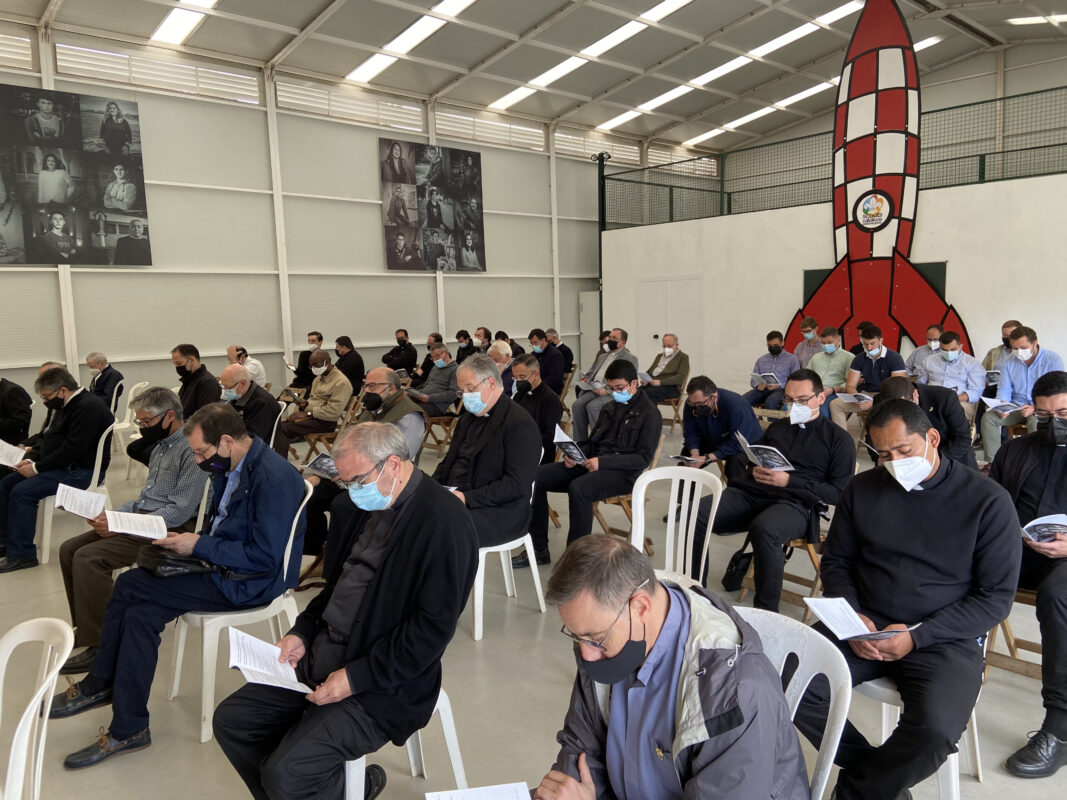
x: 483, y: 337
x: 919, y: 355
x: 944, y: 412
x: 236, y: 354
x: 711, y: 420
x: 943, y: 558
x: 810, y: 345
x: 105, y: 379
x: 620, y: 447
x: 31, y: 443
x: 371, y: 642
x: 778, y: 365
x: 549, y: 358
x: 464, y: 347
x: 952, y: 368
x: 418, y: 377
x: 350, y: 362
x: 323, y: 408
x: 568, y: 354
x: 674, y: 696
x: 865, y: 375
x: 831, y: 364
x: 776, y: 507
x: 540, y: 402
x: 994, y: 362
x: 1030, y: 361
x: 255, y: 496
x: 302, y: 374
x: 438, y: 392
x: 500, y: 352
x: 593, y: 393
x: 255, y: 405
x: 15, y: 412
x: 492, y: 460
x: 516, y: 348
x: 403, y: 356
x: 65, y: 453
x: 1032, y: 469
x: 173, y: 491
x: 668, y: 371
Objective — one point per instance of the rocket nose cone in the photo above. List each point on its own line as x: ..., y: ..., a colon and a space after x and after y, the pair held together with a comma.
x: 880, y: 25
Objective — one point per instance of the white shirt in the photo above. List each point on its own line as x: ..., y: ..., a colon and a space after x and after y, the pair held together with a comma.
x: 256, y: 371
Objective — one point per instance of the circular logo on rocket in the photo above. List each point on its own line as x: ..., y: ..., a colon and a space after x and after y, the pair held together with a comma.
x: 873, y: 210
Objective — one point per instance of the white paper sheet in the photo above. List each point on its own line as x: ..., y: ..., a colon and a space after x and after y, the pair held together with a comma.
x: 145, y: 525
x: 1003, y: 406
x: 87, y: 505
x: 258, y: 662
x: 1044, y: 529
x: 503, y: 791
x: 566, y: 444
x: 837, y: 615
x: 10, y: 455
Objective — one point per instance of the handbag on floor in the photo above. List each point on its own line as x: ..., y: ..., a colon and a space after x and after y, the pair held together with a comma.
x: 737, y: 567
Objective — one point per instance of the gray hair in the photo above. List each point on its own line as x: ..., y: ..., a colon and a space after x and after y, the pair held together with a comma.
x: 375, y: 440
x: 482, y: 366
x: 53, y: 379
x: 672, y: 335
x: 157, y: 401
x: 610, y: 569
x: 95, y: 358
x: 551, y: 332
x: 392, y: 378
x: 500, y: 346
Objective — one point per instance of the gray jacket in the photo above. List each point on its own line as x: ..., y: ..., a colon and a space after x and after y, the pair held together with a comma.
x: 441, y: 385
x: 613, y: 355
x: 733, y: 735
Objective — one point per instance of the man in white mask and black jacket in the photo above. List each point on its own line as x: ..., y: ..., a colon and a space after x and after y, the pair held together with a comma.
x: 930, y: 548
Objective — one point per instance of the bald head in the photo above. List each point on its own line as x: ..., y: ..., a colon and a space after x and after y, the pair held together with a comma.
x: 237, y: 378
x: 319, y: 358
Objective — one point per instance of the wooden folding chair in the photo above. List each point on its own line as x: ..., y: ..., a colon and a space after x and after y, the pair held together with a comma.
x: 623, y: 501
x: 267, y: 385
x: 325, y: 440
x: 440, y: 441
x: 563, y: 392
x: 813, y: 585
x: 1013, y: 662
x: 765, y: 416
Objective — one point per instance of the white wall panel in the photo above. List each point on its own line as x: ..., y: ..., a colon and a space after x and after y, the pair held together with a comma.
x: 576, y: 182
x: 518, y: 245
x: 578, y: 249
x: 333, y: 235
x: 33, y: 326
x: 515, y: 305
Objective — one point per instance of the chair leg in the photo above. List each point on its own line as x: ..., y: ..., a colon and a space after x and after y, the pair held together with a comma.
x: 355, y: 778
x: 600, y: 518
x: 46, y: 510
x: 180, y: 631
x: 552, y: 515
x: 528, y: 541
x: 448, y: 724
x: 479, y: 596
x: 970, y: 748
x: 210, y: 657
x: 509, y: 576
x: 890, y: 716
x: 415, y: 759
x: 948, y: 778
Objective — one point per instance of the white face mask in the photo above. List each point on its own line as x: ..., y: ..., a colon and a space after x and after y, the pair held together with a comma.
x: 319, y: 370
x: 605, y: 348
x: 94, y: 371
x: 476, y: 342
x: 799, y: 413
x: 934, y: 344
x: 1024, y: 355
x: 312, y: 347
x: 912, y: 471
x: 668, y: 351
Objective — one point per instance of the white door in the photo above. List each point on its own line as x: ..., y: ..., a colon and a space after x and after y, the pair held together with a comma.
x: 670, y: 306
x: 589, y: 330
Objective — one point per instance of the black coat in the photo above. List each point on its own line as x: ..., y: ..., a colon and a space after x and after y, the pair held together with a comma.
x: 104, y: 384
x: 943, y: 408
x: 74, y: 434
x: 551, y: 361
x: 198, y: 389
x: 568, y: 357
x: 403, y: 356
x: 544, y: 406
x: 15, y: 412
x: 410, y: 610
x: 1015, y: 461
x: 638, y: 438
x: 351, y: 366
x: 303, y: 376
x: 259, y: 410
x: 501, y: 473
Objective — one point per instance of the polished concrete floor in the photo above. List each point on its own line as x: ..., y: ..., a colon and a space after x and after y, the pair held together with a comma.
x: 509, y: 692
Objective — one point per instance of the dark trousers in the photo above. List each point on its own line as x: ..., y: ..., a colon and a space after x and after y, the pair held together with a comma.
x: 294, y: 431
x: 19, y: 498
x: 317, y: 524
x: 658, y: 393
x: 284, y: 747
x: 141, y: 450
x: 432, y: 409
x: 770, y: 524
x: 939, y: 686
x: 771, y: 398
x: 88, y: 562
x: 991, y: 392
x: 1049, y: 577
x: 582, y: 488
x: 140, y: 607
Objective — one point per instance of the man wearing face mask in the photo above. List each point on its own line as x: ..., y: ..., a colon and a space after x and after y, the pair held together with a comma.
x: 255, y: 495
x: 418, y: 377
x: 809, y: 346
x: 593, y: 392
x: 302, y: 374
x: 777, y: 507
x: 711, y: 420
x: 620, y: 448
x: 105, y: 378
x: 1034, y: 471
x: 65, y: 453
x: 549, y: 358
x: 669, y: 371
x: 674, y: 696
x: 831, y: 364
x: 778, y: 365
x: 865, y: 375
x: 919, y: 355
x: 403, y: 356
x: 371, y: 642
x: 439, y: 391
x: 350, y: 362
x: 464, y: 345
x: 956, y: 370
x: 500, y: 352
x: 15, y: 412
x: 492, y: 460
x: 944, y: 412
x: 994, y: 361
x: 258, y: 410
x: 198, y: 386
x: 927, y: 547
x: 320, y: 413
x: 173, y: 491
x: 568, y: 354
x: 1028, y: 363
x: 483, y: 337
x: 540, y: 402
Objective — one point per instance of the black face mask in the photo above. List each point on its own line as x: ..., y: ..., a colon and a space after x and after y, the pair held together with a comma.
x: 54, y: 404
x: 618, y: 667
x: 401, y: 342
x: 701, y: 411
x: 153, y: 433
x: 1055, y: 429
x: 1007, y: 342
x: 612, y: 344
x: 429, y: 347
x: 372, y: 401
x: 182, y: 371
x: 215, y: 464
x: 522, y: 387
x: 774, y: 349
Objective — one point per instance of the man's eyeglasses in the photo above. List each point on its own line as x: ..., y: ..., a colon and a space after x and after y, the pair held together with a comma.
x: 358, y: 479
x: 599, y: 645
x: 801, y: 400
x: 147, y: 423
x: 1045, y: 416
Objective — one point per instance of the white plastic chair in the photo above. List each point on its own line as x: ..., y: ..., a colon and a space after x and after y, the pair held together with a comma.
x: 784, y: 636
x: 355, y: 770
x: 115, y: 396
x: 282, y: 405
x: 46, y: 509
x: 688, y: 487
x: 126, y: 431
x: 214, y: 623
x: 27, y: 747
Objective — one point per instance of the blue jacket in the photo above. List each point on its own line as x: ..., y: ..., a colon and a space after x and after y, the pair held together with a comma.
x: 714, y: 434
x: 253, y: 536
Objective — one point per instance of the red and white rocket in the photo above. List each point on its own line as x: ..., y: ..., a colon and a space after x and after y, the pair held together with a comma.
x: 875, y: 184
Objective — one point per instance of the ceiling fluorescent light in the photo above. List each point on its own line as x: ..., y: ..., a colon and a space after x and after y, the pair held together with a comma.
x: 796, y: 98
x: 619, y: 120
x: 930, y: 42
x: 451, y: 7
x: 737, y: 123
x: 702, y: 137
x: 718, y: 72
x: 840, y: 12
x: 558, y: 71
x: 666, y: 97
x: 416, y: 33
x: 664, y: 9
x: 1026, y: 20
x: 176, y: 26
x: 370, y: 68
x: 200, y: 3
x: 613, y: 39
x: 1057, y: 18
x: 511, y: 98
x: 786, y: 38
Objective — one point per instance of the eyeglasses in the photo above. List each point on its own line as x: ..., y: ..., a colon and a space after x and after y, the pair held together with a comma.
x: 368, y: 384
x: 147, y: 423
x: 1045, y: 416
x: 802, y: 400
x: 474, y: 388
x: 599, y: 645
x: 358, y: 479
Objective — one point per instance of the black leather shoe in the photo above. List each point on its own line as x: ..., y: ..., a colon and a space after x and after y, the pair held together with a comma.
x: 80, y: 663
x: 73, y: 702
x: 522, y: 561
x: 1041, y: 757
x: 12, y: 564
x: 373, y: 781
x: 105, y: 747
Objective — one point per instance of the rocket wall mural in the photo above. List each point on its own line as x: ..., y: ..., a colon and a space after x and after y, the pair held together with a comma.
x: 875, y: 187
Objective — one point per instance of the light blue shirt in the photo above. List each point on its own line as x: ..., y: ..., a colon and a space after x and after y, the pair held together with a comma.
x: 965, y: 374
x: 1017, y: 379
x: 781, y: 366
x: 233, y: 477
x: 641, y: 715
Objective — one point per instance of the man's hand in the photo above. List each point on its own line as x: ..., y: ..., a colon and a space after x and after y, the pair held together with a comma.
x: 774, y: 387
x: 1001, y: 414
x: 964, y: 397
x: 292, y: 650
x: 761, y: 387
x: 602, y: 391
x: 459, y: 494
x: 655, y: 382
x: 699, y: 463
x: 99, y: 526
x: 866, y: 649
x: 560, y: 786
x: 1056, y: 549
x: 301, y: 404
x: 568, y: 463
x: 335, y: 689
x: 770, y: 477
x: 1027, y: 411
x: 314, y: 480
x: 898, y: 646
x: 423, y: 398
x: 592, y: 464
x: 866, y: 405
x: 25, y: 468
x: 180, y: 543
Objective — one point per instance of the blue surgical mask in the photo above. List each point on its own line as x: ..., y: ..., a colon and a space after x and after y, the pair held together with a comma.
x: 874, y: 352
x: 537, y: 348
x: 621, y: 397
x: 950, y: 355
x: 440, y: 363
x: 829, y: 348
x: 473, y: 402
x: 229, y: 394
x: 808, y: 334
x: 368, y: 497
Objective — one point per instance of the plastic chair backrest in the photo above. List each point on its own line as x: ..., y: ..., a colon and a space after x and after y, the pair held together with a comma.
x: 816, y: 655
x: 308, y: 489
x: 202, y: 513
x: 282, y: 405
x: 27, y: 745
x: 105, y: 438
x: 115, y: 396
x: 134, y: 392
x: 688, y: 487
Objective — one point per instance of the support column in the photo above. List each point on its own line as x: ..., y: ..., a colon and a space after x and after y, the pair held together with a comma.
x: 279, y: 214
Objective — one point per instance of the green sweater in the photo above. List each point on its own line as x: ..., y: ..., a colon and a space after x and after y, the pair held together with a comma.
x: 675, y: 373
